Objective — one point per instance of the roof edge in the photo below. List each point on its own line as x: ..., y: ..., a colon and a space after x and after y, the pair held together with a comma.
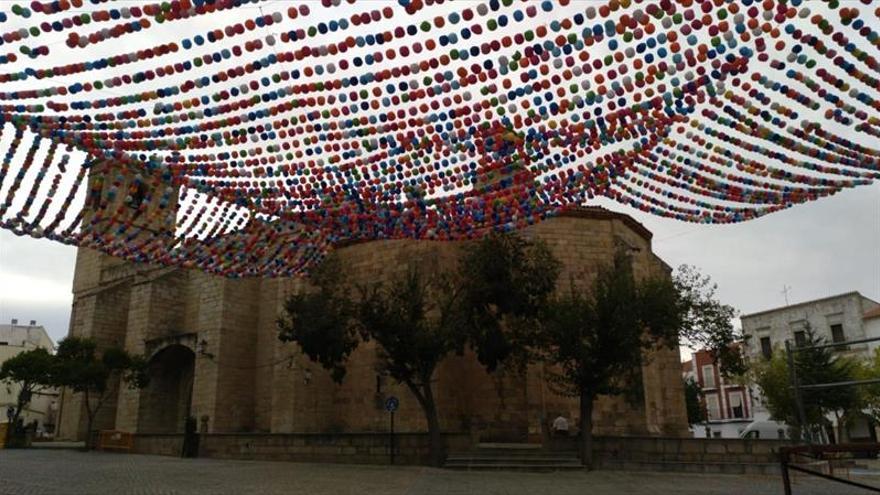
x: 804, y: 303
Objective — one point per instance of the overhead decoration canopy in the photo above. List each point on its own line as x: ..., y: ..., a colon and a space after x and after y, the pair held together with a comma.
x: 248, y: 138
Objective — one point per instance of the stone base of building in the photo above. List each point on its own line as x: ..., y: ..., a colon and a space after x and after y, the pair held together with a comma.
x: 346, y: 448
x: 732, y: 456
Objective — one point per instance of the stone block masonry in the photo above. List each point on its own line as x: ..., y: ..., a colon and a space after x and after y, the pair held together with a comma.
x: 243, y: 380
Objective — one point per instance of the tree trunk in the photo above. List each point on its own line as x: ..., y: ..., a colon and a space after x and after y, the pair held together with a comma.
x: 841, y: 433
x: 586, y: 427
x: 435, y: 439
x: 425, y: 396
x: 90, y: 416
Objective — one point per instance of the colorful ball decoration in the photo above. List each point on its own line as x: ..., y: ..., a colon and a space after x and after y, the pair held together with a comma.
x: 254, y: 146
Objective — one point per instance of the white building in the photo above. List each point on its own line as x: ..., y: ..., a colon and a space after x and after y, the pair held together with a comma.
x: 872, y: 328
x: 837, y: 318
x: 840, y: 318
x: 15, y: 339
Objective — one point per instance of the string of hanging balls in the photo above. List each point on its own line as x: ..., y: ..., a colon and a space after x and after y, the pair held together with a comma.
x: 255, y: 146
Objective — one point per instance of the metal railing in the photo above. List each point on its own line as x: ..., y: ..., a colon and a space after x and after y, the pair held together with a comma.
x: 821, y: 453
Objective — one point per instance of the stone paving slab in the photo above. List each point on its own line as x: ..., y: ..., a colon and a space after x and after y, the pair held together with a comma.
x: 63, y: 472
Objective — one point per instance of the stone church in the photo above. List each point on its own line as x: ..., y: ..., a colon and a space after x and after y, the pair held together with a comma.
x: 214, y: 354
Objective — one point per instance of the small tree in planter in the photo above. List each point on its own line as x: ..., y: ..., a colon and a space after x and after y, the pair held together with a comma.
x: 80, y: 368
x: 30, y: 372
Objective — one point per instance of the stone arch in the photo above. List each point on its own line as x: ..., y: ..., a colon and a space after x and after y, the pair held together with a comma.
x: 165, y: 402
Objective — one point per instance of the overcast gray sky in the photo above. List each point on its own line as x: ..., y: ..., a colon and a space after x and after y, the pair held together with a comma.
x: 820, y: 248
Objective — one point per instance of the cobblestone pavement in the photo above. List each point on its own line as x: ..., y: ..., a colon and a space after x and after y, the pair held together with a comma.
x: 71, y: 472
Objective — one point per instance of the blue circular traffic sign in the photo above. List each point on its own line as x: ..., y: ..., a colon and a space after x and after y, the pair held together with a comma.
x: 392, y: 403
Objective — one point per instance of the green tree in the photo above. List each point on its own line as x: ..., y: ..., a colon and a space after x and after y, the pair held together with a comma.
x: 82, y: 369
x: 322, y: 320
x: 869, y: 395
x: 813, y: 366
x: 706, y: 322
x: 693, y: 401
x: 413, y: 320
x: 506, y: 282
x: 597, y: 337
x: 422, y: 316
x: 772, y: 376
x: 29, y: 372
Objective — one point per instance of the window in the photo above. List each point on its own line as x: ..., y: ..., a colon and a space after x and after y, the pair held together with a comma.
x: 716, y: 434
x: 3, y: 342
x: 708, y: 376
x: 713, y: 410
x: 837, y: 333
x: 753, y: 434
x: 800, y: 338
x: 736, y: 405
x: 766, y: 348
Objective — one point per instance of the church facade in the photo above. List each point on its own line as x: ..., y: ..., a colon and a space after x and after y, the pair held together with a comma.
x: 214, y: 354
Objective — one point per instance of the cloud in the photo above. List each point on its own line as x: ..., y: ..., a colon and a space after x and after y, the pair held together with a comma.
x: 36, y: 278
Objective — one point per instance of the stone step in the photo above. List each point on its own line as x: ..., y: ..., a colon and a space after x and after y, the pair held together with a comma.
x: 519, y: 455
x: 513, y: 457
x: 511, y: 460
x: 691, y: 467
x: 509, y: 446
x: 514, y: 466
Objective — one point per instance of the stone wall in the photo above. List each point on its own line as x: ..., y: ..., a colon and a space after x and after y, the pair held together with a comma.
x: 688, y: 449
x: 503, y: 405
x: 352, y: 448
x: 247, y: 381
x: 629, y: 453
x: 698, y: 455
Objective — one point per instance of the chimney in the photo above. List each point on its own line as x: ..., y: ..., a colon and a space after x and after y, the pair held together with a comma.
x: 15, y: 321
x: 33, y: 323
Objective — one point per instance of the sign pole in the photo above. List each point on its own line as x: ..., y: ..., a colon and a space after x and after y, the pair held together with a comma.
x: 391, y: 405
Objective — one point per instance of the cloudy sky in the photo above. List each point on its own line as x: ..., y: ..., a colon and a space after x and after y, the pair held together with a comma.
x: 816, y: 249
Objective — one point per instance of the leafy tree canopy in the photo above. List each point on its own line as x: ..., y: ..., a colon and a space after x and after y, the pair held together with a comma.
x: 506, y: 282
x: 80, y: 367
x: 29, y: 369
x: 813, y: 366
x: 693, y: 396
x: 705, y: 322
x: 321, y: 321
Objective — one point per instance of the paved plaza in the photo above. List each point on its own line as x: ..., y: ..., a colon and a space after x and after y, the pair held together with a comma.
x: 41, y: 471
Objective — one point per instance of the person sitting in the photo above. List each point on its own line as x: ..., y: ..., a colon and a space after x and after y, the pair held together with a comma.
x: 560, y: 426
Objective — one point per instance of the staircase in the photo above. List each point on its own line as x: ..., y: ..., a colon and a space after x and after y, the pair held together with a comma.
x: 513, y: 457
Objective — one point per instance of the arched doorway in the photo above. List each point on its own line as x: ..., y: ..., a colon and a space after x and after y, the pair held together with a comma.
x: 165, y: 402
